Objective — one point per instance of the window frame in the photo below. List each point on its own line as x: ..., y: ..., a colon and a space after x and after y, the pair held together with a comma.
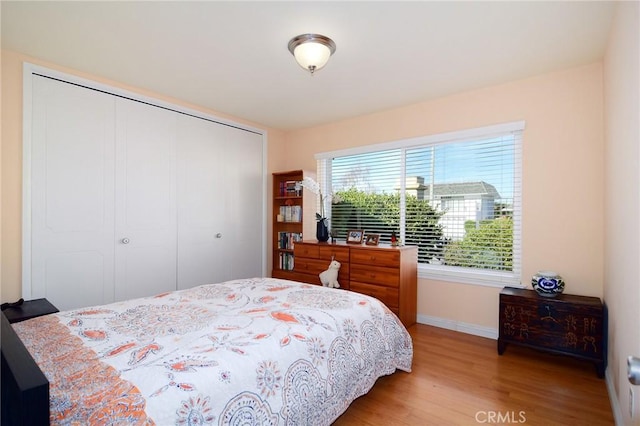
x: 489, y: 278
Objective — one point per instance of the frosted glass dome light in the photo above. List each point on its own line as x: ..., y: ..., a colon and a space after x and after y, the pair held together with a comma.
x: 312, y: 51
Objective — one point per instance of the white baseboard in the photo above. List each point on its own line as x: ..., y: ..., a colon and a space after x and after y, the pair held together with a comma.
x: 613, y: 398
x: 463, y: 327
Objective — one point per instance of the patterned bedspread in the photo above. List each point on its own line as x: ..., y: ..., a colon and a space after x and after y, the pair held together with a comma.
x: 259, y: 351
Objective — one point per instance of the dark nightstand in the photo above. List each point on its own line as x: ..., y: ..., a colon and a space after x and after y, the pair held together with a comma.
x: 29, y: 309
x: 565, y: 324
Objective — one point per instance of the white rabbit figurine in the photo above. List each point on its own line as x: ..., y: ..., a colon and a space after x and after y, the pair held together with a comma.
x: 329, y: 278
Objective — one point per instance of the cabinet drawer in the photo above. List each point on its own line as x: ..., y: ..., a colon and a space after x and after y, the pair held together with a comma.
x: 303, y: 250
x: 551, y: 305
x: 389, y: 258
x: 377, y: 275
x: 558, y: 326
x: 341, y: 254
x: 387, y: 295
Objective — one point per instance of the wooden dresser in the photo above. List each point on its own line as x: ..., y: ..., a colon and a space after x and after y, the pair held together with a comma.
x: 387, y: 273
x: 566, y: 324
x: 314, y: 257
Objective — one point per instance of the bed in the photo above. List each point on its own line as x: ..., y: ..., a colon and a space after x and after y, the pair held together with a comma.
x: 252, y: 351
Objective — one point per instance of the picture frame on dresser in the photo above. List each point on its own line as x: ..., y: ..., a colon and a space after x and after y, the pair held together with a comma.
x: 354, y: 236
x: 372, y: 239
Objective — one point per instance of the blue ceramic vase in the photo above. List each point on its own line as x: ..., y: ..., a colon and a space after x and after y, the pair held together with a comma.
x: 547, y: 283
x: 322, y: 231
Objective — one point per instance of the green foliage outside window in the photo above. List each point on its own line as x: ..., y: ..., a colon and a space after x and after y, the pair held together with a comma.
x: 487, y: 246
x: 380, y: 214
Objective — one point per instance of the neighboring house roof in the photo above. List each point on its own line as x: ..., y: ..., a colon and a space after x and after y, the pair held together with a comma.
x: 463, y: 188
x: 478, y: 188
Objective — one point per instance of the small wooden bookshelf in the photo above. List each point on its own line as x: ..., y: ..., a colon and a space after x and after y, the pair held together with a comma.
x: 293, y: 218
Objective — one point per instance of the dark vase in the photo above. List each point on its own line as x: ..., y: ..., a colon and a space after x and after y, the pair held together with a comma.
x: 322, y: 231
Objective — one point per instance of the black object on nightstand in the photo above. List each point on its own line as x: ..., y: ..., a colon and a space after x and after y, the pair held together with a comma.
x: 565, y: 324
x: 16, y: 312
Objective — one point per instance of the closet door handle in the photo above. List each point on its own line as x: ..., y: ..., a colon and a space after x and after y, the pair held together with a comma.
x: 125, y: 241
x: 218, y: 235
x: 633, y: 370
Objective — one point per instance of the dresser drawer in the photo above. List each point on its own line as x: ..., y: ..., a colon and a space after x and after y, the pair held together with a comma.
x: 308, y: 265
x: 306, y: 250
x: 377, y: 275
x: 303, y: 278
x: 315, y: 266
x: 387, y: 295
x: 341, y: 254
x: 315, y: 279
x: 390, y: 258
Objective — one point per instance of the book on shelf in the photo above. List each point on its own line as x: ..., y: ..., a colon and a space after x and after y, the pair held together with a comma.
x: 286, y: 240
x: 286, y: 261
x: 291, y: 213
x: 290, y: 188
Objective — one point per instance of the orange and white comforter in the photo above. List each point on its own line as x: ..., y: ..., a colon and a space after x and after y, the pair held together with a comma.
x: 256, y: 351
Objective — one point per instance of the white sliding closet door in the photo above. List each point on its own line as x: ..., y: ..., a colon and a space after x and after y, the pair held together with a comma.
x: 125, y: 199
x: 243, y: 201
x: 220, y: 185
x: 145, y: 224
x: 72, y: 194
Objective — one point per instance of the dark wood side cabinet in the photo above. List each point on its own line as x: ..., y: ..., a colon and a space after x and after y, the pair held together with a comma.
x: 29, y: 309
x: 565, y: 324
x: 25, y: 389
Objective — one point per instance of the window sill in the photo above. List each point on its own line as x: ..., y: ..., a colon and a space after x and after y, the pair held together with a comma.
x: 465, y: 276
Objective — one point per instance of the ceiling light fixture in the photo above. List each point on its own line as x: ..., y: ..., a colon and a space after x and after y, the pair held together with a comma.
x: 312, y: 51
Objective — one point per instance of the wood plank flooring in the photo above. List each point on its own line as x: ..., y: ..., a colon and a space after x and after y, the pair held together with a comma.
x: 459, y: 379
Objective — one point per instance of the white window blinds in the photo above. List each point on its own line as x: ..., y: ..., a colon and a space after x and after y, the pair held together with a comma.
x: 456, y: 196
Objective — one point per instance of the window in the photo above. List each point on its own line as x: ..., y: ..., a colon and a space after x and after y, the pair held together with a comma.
x: 456, y: 196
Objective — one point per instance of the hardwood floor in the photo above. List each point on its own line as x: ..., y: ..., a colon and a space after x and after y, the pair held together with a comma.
x: 459, y: 379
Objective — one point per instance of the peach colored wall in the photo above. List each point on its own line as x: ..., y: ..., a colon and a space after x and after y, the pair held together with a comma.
x: 276, y: 162
x: 11, y: 168
x: 563, y: 147
x: 621, y: 196
x: 562, y: 176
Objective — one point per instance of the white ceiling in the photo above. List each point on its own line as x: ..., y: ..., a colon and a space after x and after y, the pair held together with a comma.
x: 232, y: 56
